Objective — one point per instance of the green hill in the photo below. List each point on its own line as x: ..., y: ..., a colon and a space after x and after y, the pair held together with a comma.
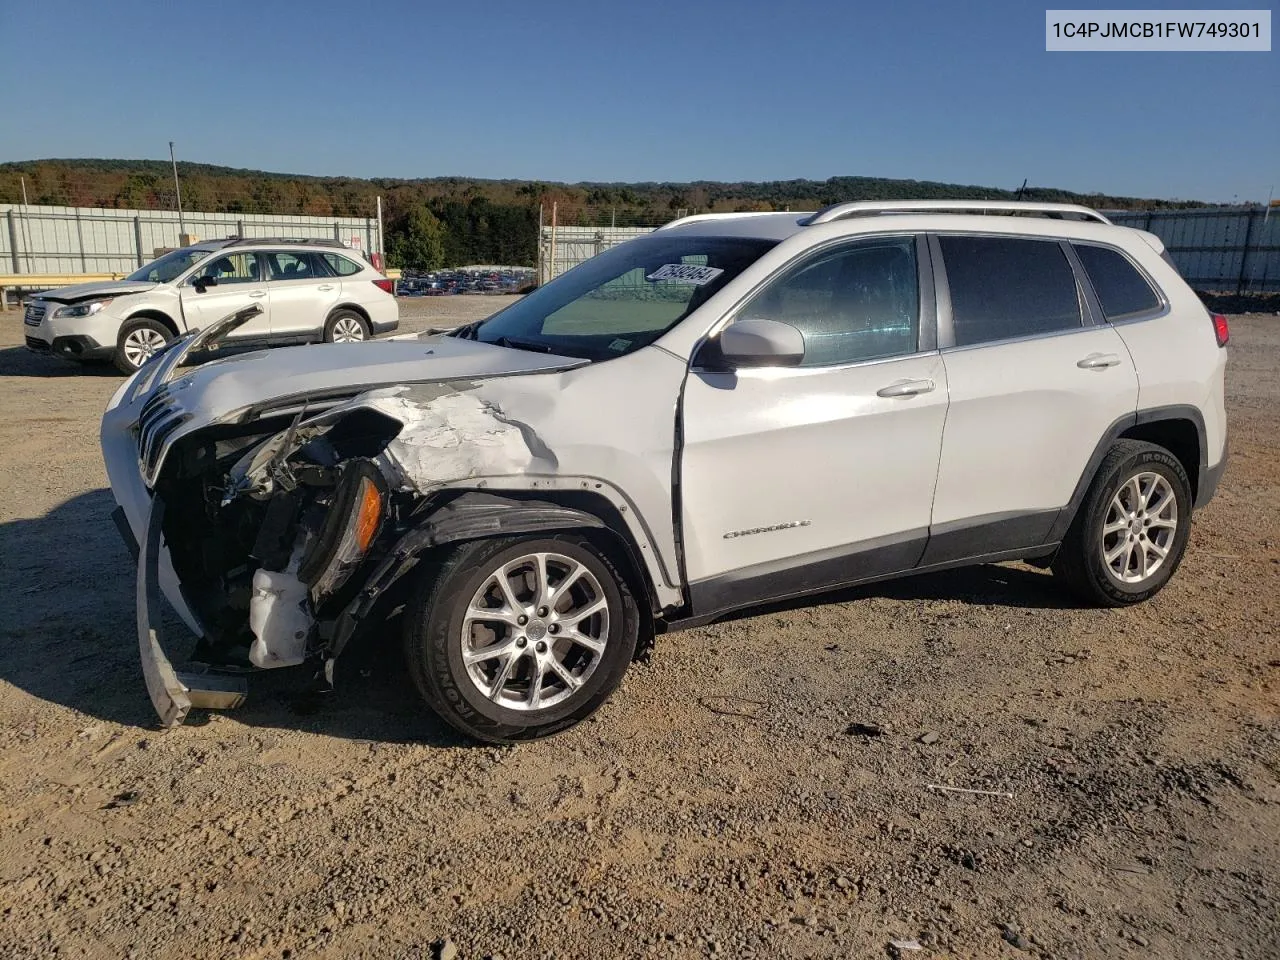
x: 479, y: 221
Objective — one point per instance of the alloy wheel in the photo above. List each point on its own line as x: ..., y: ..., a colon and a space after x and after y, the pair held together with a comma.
x: 347, y: 330
x: 1139, y: 528
x: 142, y: 344
x: 535, y: 631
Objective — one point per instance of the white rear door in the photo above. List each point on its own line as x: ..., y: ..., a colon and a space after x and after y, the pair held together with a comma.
x: 797, y: 479
x: 1035, y: 385
x: 303, y: 291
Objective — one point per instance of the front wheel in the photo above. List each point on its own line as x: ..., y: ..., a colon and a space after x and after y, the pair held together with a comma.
x: 519, y: 638
x: 1130, y: 533
x: 139, y: 341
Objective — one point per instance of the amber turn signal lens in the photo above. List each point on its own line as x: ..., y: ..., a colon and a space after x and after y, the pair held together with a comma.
x: 369, y: 514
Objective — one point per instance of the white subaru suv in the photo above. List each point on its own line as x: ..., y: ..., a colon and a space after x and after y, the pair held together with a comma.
x: 733, y: 410
x: 309, y: 290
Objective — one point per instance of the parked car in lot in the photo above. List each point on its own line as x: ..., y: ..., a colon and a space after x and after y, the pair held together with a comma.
x: 309, y: 290
x: 733, y: 410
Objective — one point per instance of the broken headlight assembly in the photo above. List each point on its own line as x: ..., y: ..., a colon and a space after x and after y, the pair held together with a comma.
x: 351, y: 524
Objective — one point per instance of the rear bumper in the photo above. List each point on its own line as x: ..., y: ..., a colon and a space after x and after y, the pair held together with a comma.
x: 385, y: 326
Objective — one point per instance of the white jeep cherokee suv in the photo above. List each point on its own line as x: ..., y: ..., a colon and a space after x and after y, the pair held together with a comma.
x: 732, y: 410
x: 309, y: 290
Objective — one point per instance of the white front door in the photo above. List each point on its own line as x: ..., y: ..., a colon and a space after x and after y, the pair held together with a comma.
x: 302, y: 292
x: 1035, y: 386
x: 797, y: 479
x: 237, y: 283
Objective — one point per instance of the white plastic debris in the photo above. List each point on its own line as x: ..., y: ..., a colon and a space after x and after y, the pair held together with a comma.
x: 279, y: 619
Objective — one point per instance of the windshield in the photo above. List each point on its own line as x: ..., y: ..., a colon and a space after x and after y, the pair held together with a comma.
x: 169, y: 266
x: 624, y: 298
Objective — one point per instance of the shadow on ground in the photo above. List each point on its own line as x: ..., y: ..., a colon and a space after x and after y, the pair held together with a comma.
x: 68, y: 634
x: 21, y: 362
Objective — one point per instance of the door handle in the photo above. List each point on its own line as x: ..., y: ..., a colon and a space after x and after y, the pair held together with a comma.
x: 905, y: 388
x: 1098, y: 361
x: 325, y: 286
x: 257, y: 294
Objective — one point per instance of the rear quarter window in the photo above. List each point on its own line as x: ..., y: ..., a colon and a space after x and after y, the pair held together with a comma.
x: 1121, y: 289
x: 341, y: 265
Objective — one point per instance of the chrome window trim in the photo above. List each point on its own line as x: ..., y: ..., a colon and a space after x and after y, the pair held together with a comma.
x: 776, y: 373
x: 1073, y: 331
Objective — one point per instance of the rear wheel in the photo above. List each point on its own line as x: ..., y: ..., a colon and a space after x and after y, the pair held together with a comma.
x: 139, y: 341
x: 518, y: 638
x: 1130, y: 533
x: 346, y: 326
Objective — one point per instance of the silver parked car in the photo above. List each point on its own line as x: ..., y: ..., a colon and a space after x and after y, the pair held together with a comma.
x: 309, y: 290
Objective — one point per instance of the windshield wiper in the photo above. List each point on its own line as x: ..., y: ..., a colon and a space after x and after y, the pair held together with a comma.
x: 467, y: 331
x: 518, y: 344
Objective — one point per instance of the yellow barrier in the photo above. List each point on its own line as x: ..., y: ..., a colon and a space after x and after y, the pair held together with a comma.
x: 47, y: 281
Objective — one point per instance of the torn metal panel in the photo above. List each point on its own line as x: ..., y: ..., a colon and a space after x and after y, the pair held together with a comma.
x: 457, y: 436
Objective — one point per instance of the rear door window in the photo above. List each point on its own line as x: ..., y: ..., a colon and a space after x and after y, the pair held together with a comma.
x: 1007, y: 287
x: 295, y: 265
x: 1121, y: 289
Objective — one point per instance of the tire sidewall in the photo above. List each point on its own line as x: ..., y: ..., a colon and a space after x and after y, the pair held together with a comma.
x: 440, y: 627
x: 1152, y: 460
x: 337, y: 315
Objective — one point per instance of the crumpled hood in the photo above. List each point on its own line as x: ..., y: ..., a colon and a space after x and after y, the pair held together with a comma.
x: 215, y: 390
x: 100, y: 288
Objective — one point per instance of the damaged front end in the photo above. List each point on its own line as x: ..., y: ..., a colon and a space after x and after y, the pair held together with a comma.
x: 266, y: 530
x: 263, y: 526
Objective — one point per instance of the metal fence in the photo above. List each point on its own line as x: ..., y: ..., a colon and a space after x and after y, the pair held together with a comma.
x: 1232, y: 250
x: 1219, y: 250
x: 59, y: 240
x: 562, y: 248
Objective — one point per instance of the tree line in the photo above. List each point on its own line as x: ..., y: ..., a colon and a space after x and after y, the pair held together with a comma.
x: 451, y: 221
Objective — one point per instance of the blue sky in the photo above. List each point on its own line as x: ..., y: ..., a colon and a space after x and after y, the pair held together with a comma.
x: 575, y: 90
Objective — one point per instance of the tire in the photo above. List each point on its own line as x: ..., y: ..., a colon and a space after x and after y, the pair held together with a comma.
x: 1102, y: 562
x: 493, y: 699
x: 346, y: 326
x: 139, y: 340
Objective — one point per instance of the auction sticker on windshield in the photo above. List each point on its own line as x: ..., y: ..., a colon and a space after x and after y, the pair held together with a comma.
x: 685, y: 273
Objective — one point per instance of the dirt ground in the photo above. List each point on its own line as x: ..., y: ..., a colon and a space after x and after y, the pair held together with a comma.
x: 762, y: 787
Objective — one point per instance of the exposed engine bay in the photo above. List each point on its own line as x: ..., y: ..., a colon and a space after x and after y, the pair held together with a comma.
x: 268, y: 521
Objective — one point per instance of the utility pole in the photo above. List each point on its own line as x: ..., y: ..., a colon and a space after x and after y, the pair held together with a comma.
x: 177, y: 189
x: 26, y: 226
x: 382, y: 253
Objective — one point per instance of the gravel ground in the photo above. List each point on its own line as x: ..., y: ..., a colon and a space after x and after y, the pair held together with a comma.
x: 761, y: 787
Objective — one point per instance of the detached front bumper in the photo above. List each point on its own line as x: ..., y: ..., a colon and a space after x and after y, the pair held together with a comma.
x: 139, y: 516
x: 172, y: 694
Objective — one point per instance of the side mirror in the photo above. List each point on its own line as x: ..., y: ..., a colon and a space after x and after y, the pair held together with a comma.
x: 760, y: 343
x: 202, y: 283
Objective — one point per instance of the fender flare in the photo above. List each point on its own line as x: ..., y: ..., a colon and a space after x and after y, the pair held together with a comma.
x: 472, y: 515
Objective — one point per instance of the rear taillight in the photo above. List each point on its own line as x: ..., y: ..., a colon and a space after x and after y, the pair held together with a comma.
x: 386, y: 285
x: 1221, y: 330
